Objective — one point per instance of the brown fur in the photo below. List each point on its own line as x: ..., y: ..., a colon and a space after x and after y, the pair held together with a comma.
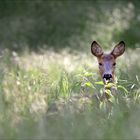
x: 107, y: 62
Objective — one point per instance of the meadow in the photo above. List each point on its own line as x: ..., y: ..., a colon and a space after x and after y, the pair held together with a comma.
x: 49, y: 78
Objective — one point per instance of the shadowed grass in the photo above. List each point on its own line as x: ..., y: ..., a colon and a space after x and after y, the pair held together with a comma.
x: 55, y: 25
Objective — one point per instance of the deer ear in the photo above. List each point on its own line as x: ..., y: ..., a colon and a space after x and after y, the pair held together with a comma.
x: 118, y: 49
x: 96, y: 49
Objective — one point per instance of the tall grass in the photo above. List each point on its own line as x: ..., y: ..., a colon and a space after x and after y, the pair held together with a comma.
x: 50, y: 88
x: 45, y: 99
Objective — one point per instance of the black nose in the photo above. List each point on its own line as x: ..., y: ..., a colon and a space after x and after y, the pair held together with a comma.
x: 107, y: 76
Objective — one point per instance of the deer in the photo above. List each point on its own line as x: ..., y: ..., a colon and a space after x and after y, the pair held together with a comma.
x: 107, y: 61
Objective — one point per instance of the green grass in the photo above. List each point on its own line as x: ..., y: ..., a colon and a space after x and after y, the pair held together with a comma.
x: 50, y: 87
x: 54, y: 97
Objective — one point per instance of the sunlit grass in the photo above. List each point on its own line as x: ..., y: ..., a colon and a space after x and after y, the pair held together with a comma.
x: 63, y: 86
x: 50, y: 87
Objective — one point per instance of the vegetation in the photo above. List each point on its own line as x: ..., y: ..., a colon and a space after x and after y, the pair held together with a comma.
x: 50, y: 87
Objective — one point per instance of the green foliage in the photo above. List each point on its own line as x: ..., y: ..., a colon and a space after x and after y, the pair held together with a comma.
x: 40, y: 98
x: 54, y: 24
x: 49, y: 94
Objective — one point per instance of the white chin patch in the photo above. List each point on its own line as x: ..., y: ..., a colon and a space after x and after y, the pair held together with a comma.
x: 107, y: 81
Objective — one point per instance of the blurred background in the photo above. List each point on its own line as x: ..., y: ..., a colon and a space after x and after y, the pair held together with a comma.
x: 49, y: 78
x: 74, y: 24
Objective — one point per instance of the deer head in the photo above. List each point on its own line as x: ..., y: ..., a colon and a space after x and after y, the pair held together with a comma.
x: 107, y: 62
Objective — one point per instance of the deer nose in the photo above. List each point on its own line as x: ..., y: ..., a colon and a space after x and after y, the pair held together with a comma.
x: 107, y: 76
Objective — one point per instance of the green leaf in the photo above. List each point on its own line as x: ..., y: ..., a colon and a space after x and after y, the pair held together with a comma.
x: 107, y: 91
x: 89, y: 84
x: 109, y: 85
x: 112, y: 99
x: 99, y: 83
x: 123, y: 88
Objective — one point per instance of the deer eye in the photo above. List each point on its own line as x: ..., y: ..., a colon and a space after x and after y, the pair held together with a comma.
x: 100, y: 64
x: 114, y: 64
